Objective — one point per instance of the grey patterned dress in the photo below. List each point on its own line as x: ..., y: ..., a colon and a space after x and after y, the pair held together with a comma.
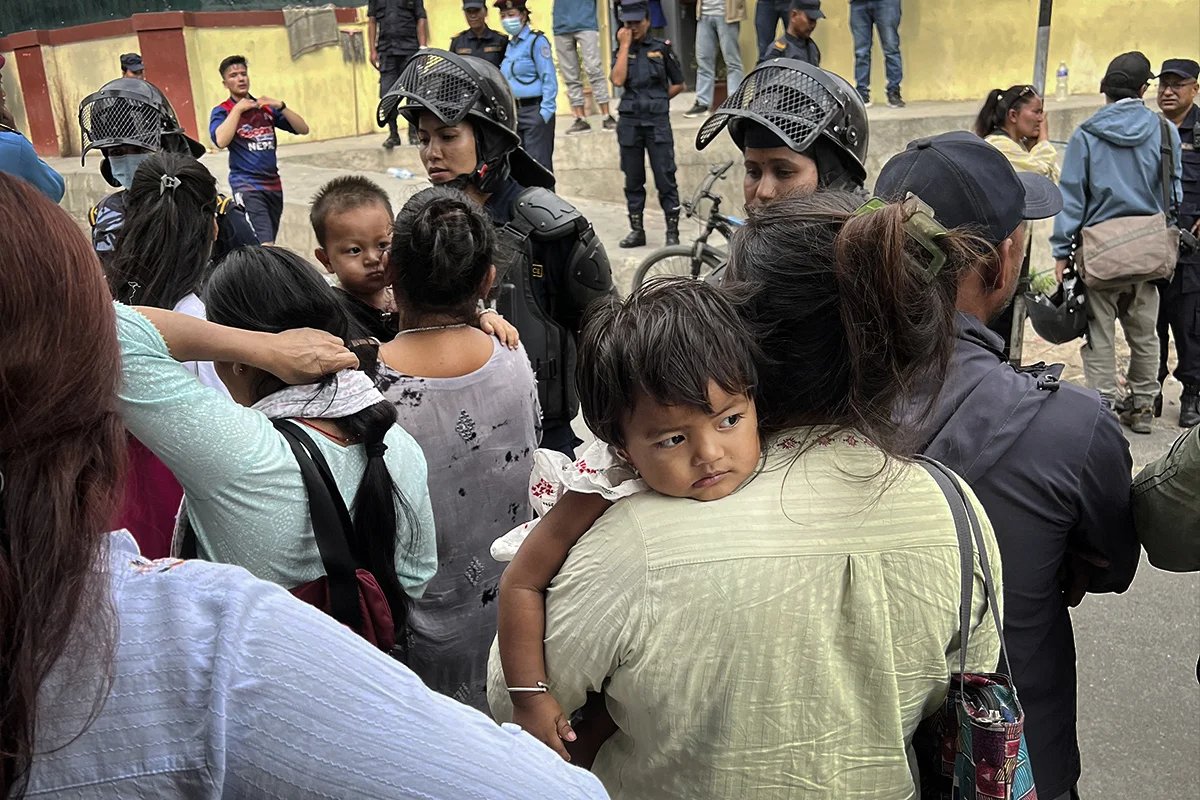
x: 478, y: 432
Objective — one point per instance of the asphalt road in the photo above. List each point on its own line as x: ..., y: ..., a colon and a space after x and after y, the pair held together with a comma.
x: 1139, y: 701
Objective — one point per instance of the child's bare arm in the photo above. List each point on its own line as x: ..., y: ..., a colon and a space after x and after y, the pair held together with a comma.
x: 522, y: 621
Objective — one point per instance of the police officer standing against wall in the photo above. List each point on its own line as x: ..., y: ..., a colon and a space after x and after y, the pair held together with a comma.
x: 529, y: 68
x: 1180, y: 306
x: 796, y: 41
x: 396, y: 29
x: 646, y: 68
x: 478, y: 39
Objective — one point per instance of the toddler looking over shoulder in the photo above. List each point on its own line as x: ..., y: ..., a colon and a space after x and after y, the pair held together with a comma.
x: 666, y: 380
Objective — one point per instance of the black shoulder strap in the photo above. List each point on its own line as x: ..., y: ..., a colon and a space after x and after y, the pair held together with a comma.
x: 967, y: 527
x: 1167, y: 161
x: 331, y: 524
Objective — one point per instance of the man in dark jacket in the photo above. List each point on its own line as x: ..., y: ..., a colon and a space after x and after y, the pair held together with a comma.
x: 1046, y: 460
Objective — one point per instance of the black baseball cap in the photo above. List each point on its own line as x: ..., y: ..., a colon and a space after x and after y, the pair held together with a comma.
x: 811, y: 8
x: 469, y: 5
x: 969, y: 184
x: 132, y: 62
x: 1126, y: 75
x: 1183, y: 67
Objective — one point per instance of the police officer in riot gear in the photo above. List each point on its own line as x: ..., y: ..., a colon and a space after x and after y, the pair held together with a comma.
x: 799, y: 127
x: 126, y: 120
x: 646, y: 68
x: 479, y: 39
x: 468, y: 131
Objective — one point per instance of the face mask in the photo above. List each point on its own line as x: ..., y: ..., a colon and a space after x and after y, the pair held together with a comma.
x: 512, y: 25
x: 123, y: 167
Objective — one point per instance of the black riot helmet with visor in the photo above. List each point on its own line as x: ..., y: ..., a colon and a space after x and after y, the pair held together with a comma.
x: 790, y: 103
x: 459, y: 89
x: 130, y: 112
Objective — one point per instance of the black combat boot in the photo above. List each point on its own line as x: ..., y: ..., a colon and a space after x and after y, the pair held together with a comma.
x: 673, y: 228
x: 637, y: 233
x: 1189, y: 407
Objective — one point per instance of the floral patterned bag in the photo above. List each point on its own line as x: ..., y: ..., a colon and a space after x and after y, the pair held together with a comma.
x: 973, y: 748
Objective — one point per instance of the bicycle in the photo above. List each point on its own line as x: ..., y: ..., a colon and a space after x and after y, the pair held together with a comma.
x: 698, y: 259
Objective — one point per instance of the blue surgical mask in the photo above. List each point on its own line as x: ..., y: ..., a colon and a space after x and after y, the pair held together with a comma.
x: 512, y: 25
x: 123, y: 167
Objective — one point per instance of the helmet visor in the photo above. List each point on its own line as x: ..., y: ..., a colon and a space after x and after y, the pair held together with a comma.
x: 439, y: 82
x: 111, y: 121
x: 791, y: 103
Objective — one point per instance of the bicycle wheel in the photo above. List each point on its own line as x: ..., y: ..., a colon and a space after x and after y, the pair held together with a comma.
x: 679, y: 260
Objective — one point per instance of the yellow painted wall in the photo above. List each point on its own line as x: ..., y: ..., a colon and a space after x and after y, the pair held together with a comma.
x: 11, y: 81
x: 335, y: 98
x: 960, y: 49
x: 956, y: 49
x: 953, y: 50
x: 76, y: 70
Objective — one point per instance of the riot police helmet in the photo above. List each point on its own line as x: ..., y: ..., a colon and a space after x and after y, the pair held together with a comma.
x: 459, y: 89
x: 1060, y: 317
x: 132, y: 112
x: 803, y: 107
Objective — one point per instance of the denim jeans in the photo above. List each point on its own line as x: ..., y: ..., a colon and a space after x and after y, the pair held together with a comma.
x: 768, y: 14
x: 884, y: 15
x: 711, y: 31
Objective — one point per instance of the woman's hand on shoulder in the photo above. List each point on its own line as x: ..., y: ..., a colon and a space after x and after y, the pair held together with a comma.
x: 305, y: 355
x: 492, y: 323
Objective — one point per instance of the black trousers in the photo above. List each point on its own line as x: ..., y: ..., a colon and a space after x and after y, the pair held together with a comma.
x: 537, y: 135
x: 636, y: 143
x: 1179, y: 316
x: 390, y: 67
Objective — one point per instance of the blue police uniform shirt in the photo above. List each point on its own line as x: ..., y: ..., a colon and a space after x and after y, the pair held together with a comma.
x: 529, y: 67
x: 490, y: 46
x: 788, y: 46
x: 653, y: 69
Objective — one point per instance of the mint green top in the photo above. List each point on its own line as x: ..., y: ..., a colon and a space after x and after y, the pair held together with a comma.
x: 245, y: 497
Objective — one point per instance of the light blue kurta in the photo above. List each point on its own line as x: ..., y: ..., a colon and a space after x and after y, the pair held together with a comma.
x: 245, y: 497
x: 224, y: 686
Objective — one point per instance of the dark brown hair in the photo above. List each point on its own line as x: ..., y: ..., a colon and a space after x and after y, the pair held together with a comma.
x: 342, y: 194
x: 665, y: 341
x: 851, y: 322
x: 62, y: 456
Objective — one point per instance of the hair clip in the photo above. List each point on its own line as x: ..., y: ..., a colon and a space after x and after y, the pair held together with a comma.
x: 168, y: 182
x: 919, y: 224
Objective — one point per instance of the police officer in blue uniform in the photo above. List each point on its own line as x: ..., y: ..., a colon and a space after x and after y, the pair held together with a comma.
x: 478, y: 39
x: 796, y: 41
x: 127, y: 120
x: 556, y: 265
x: 529, y: 68
x: 1180, y: 308
x: 646, y: 68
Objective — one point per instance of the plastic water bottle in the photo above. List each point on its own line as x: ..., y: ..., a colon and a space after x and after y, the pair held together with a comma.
x: 1061, y: 88
x: 397, y: 172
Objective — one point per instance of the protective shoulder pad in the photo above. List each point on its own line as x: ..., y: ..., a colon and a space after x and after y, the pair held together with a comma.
x: 546, y: 217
